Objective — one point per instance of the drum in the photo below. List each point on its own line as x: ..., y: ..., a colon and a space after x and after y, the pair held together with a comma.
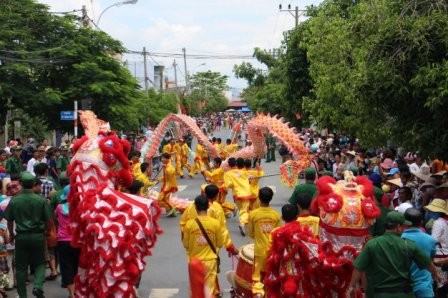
x: 243, y: 276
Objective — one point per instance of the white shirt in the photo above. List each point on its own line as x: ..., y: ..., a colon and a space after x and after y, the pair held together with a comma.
x: 32, y: 162
x: 403, y: 207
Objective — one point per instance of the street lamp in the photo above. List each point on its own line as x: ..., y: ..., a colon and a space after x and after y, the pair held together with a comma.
x: 117, y: 5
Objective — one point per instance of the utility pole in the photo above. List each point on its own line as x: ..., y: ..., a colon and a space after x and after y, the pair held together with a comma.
x: 296, y: 13
x: 85, y: 18
x: 145, y: 69
x: 175, y: 73
x: 187, y: 85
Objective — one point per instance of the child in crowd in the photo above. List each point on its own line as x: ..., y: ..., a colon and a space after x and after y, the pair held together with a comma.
x: 305, y: 218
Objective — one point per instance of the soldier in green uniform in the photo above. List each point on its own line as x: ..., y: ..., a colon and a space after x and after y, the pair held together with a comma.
x: 63, y: 160
x: 271, y: 144
x: 386, y: 262
x: 31, y: 214
x: 14, y: 164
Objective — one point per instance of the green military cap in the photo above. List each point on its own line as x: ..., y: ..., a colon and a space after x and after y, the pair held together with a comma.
x: 395, y: 217
x: 16, y: 148
x: 327, y: 173
x: 310, y: 173
x: 63, y: 148
x: 27, y: 177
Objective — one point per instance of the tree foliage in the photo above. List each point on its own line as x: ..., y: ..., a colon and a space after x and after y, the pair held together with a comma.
x: 207, y: 93
x: 373, y: 68
x: 49, y: 61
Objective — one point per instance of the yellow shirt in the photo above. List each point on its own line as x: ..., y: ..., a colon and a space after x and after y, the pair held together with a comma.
x: 169, y: 179
x: 184, y: 150
x: 195, y: 243
x: 201, y: 153
x: 253, y: 176
x: 230, y: 149
x: 146, y: 183
x: 173, y: 150
x: 136, y: 171
x: 261, y: 222
x: 214, y: 211
x: 237, y: 180
x: 216, y: 176
x: 310, y: 221
x: 219, y: 149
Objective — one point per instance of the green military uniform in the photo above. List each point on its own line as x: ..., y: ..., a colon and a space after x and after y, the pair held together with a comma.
x: 30, y: 212
x: 386, y: 262
x: 308, y: 188
x: 379, y: 227
x: 13, y: 166
x: 62, y: 162
x: 271, y: 143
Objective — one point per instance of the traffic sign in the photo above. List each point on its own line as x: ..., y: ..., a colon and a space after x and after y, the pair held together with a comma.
x: 67, y: 115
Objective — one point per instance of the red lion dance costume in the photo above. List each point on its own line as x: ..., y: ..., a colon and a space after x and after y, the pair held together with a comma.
x: 115, y: 231
x: 301, y: 265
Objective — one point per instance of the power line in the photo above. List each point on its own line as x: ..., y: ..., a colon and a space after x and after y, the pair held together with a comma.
x: 37, y: 51
x: 193, y: 56
x: 38, y: 61
x: 65, y: 12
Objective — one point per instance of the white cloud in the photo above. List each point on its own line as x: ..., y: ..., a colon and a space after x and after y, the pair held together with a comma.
x: 201, y: 26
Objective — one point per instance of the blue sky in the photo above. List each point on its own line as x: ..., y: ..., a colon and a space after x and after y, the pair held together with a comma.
x: 209, y: 27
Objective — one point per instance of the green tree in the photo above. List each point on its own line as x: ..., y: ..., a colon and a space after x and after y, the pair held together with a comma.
x: 207, y: 93
x: 50, y: 61
x: 153, y: 106
x: 379, y: 69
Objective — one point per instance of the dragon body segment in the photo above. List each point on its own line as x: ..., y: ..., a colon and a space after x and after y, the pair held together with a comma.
x: 263, y: 124
x: 149, y: 149
x: 114, y: 231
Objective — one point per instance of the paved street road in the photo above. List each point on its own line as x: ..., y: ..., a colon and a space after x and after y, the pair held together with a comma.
x: 166, y: 272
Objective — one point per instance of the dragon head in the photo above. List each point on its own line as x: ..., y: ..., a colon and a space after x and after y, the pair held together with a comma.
x: 346, y: 207
x: 100, y: 154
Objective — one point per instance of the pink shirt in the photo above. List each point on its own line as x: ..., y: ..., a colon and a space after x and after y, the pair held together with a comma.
x: 63, y: 224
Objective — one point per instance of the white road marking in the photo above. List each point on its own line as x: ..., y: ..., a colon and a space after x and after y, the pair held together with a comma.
x: 163, y: 293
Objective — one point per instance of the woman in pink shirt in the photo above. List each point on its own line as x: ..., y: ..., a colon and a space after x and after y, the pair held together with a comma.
x: 68, y: 255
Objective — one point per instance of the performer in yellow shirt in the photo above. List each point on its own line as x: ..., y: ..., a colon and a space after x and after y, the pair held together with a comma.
x: 135, y: 164
x: 169, y: 185
x: 236, y: 179
x: 305, y: 218
x: 261, y: 222
x: 200, y: 160
x: 183, y: 160
x: 220, y: 148
x: 229, y: 148
x: 173, y: 149
x: 144, y: 178
x: 254, y: 179
x: 217, y: 177
x: 197, y: 246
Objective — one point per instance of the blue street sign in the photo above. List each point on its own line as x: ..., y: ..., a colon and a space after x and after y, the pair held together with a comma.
x: 67, y: 115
